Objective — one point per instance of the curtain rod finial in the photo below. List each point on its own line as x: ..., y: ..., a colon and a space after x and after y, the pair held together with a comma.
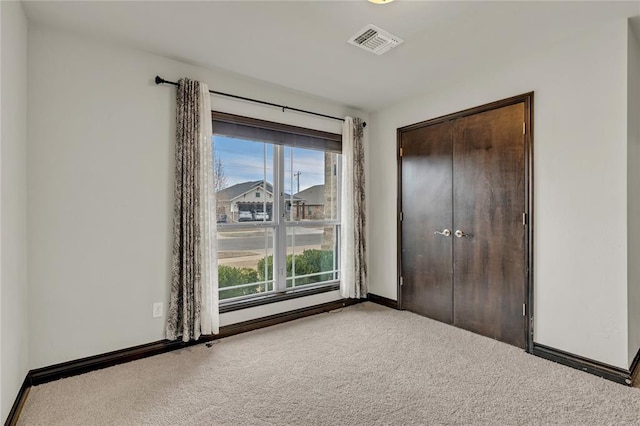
x: 159, y: 80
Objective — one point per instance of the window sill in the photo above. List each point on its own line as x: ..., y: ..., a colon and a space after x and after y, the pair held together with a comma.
x: 274, y: 298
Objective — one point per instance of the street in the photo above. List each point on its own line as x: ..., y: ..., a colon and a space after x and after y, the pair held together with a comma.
x: 258, y: 243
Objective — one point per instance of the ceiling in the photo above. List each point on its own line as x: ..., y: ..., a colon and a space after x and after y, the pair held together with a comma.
x: 302, y: 45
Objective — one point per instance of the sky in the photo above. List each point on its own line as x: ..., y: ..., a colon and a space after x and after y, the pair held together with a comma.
x: 244, y: 160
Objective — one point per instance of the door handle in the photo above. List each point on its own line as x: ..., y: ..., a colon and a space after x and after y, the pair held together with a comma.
x: 461, y: 234
x: 446, y: 232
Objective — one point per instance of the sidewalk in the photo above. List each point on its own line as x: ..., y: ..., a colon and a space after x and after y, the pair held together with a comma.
x: 250, y: 259
x: 259, y: 232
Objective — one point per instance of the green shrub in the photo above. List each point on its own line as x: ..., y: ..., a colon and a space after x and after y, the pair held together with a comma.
x: 229, y: 276
x: 269, y: 272
x: 308, y: 262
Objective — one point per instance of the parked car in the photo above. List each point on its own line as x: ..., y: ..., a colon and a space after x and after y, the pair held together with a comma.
x: 262, y: 216
x: 244, y: 216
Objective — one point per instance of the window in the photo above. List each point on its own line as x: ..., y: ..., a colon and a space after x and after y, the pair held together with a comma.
x: 287, y: 240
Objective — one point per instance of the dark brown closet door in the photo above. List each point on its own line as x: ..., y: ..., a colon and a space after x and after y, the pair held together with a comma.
x: 426, y: 205
x: 488, y: 206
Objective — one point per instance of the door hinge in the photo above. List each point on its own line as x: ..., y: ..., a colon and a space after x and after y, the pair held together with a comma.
x: 401, y: 152
x: 524, y: 128
x: 401, y: 216
x: 524, y: 310
x: 524, y: 219
x: 401, y: 281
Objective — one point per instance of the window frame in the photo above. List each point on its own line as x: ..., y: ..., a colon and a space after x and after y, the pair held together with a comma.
x: 282, y: 135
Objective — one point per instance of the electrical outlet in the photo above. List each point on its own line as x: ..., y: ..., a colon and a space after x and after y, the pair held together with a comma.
x: 157, y: 310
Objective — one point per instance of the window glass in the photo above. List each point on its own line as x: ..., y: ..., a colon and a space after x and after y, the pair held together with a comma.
x: 242, y: 269
x: 311, y: 184
x: 259, y: 174
x: 244, y: 179
x: 311, y: 255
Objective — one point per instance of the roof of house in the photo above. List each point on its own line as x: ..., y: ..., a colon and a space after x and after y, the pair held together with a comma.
x: 234, y: 191
x: 238, y: 189
x: 312, y: 195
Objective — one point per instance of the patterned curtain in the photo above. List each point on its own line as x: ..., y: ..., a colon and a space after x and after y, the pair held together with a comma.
x: 353, y: 261
x: 193, y: 303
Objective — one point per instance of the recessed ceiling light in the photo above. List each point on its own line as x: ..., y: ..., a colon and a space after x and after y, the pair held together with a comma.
x: 380, y: 1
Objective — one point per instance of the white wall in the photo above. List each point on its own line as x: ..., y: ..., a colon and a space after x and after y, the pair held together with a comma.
x: 633, y: 190
x: 100, y: 189
x: 580, y: 184
x: 13, y: 204
x: 2, y: 415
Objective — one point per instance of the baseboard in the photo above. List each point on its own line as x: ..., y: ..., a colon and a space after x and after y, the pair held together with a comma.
x: 633, y: 369
x: 12, y: 418
x: 255, y: 324
x: 606, y: 371
x: 97, y: 362
x: 85, y: 365
x: 109, y: 359
x: 380, y: 300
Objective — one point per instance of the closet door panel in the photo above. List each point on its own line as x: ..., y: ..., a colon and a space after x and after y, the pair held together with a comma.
x: 488, y: 204
x: 426, y: 207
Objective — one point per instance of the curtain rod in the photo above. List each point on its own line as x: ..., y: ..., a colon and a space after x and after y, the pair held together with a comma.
x: 160, y: 80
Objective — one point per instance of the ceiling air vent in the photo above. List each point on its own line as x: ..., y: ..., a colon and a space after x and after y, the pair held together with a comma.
x: 375, y: 40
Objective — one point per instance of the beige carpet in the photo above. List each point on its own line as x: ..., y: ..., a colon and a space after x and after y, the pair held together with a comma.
x: 363, y: 365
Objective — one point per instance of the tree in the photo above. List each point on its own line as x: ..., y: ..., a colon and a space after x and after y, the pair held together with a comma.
x: 219, y: 183
x: 219, y: 177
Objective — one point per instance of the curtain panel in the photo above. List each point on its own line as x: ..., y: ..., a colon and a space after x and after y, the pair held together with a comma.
x: 353, y: 261
x: 193, y: 302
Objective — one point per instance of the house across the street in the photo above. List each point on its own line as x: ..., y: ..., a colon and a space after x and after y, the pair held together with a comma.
x: 254, y: 197
x: 311, y: 203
